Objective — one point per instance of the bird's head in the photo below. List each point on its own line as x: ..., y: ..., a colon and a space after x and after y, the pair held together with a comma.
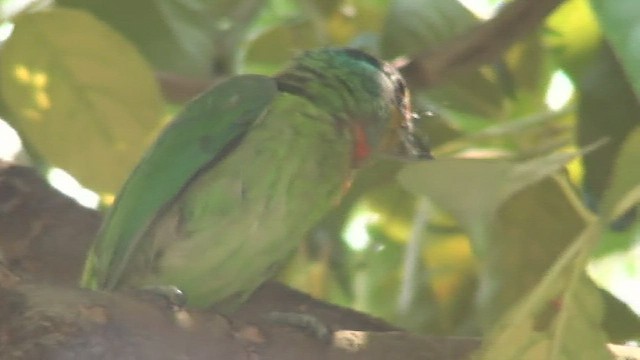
x: 366, y: 95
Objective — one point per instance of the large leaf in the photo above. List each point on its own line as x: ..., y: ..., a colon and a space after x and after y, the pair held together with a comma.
x: 560, y: 319
x: 81, y: 95
x: 606, y: 101
x: 619, y: 20
x: 607, y: 109
x: 190, y: 37
x: 529, y: 233
x: 472, y: 190
x: 624, y: 191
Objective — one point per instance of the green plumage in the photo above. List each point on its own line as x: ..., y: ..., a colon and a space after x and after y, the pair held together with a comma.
x: 232, y: 185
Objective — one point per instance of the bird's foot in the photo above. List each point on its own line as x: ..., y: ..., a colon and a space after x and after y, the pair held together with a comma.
x: 170, y: 295
x: 308, y: 323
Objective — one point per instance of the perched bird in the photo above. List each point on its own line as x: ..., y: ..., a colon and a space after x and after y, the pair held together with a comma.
x: 233, y: 183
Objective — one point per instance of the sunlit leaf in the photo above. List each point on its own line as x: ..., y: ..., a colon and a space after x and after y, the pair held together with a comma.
x: 472, y: 190
x: 11, y: 8
x: 81, y: 95
x: 469, y: 189
x: 395, y: 208
x: 572, y: 34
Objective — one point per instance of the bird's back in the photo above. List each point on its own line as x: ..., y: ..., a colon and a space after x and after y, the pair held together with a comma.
x: 236, y: 222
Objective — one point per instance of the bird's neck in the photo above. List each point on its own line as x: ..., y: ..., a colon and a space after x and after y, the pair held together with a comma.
x: 332, y: 90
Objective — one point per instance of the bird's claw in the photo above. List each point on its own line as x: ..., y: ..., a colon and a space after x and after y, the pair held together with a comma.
x: 308, y: 323
x: 174, y: 298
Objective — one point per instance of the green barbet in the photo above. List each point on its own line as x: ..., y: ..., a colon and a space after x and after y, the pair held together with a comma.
x: 233, y: 183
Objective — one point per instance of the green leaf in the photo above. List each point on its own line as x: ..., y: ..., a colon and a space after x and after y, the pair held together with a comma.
x: 469, y: 189
x: 620, y: 21
x: 560, y: 319
x: 261, y: 57
x: 620, y: 322
x: 414, y: 26
x: 529, y: 233
x: 173, y: 35
x: 188, y: 37
x: 472, y: 190
x: 80, y: 94
x: 605, y: 101
x: 624, y: 191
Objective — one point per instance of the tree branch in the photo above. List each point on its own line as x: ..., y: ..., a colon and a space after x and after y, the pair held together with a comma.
x: 481, y: 45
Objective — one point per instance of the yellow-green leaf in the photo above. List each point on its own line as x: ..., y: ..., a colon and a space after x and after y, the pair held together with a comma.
x: 473, y: 189
x: 80, y: 95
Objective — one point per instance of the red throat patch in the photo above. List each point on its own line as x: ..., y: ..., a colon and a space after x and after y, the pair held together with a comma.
x: 361, y: 147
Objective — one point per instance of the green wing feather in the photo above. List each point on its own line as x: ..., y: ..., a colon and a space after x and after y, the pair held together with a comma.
x: 196, y: 138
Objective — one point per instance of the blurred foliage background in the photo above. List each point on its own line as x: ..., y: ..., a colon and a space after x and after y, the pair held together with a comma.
x: 525, y: 228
